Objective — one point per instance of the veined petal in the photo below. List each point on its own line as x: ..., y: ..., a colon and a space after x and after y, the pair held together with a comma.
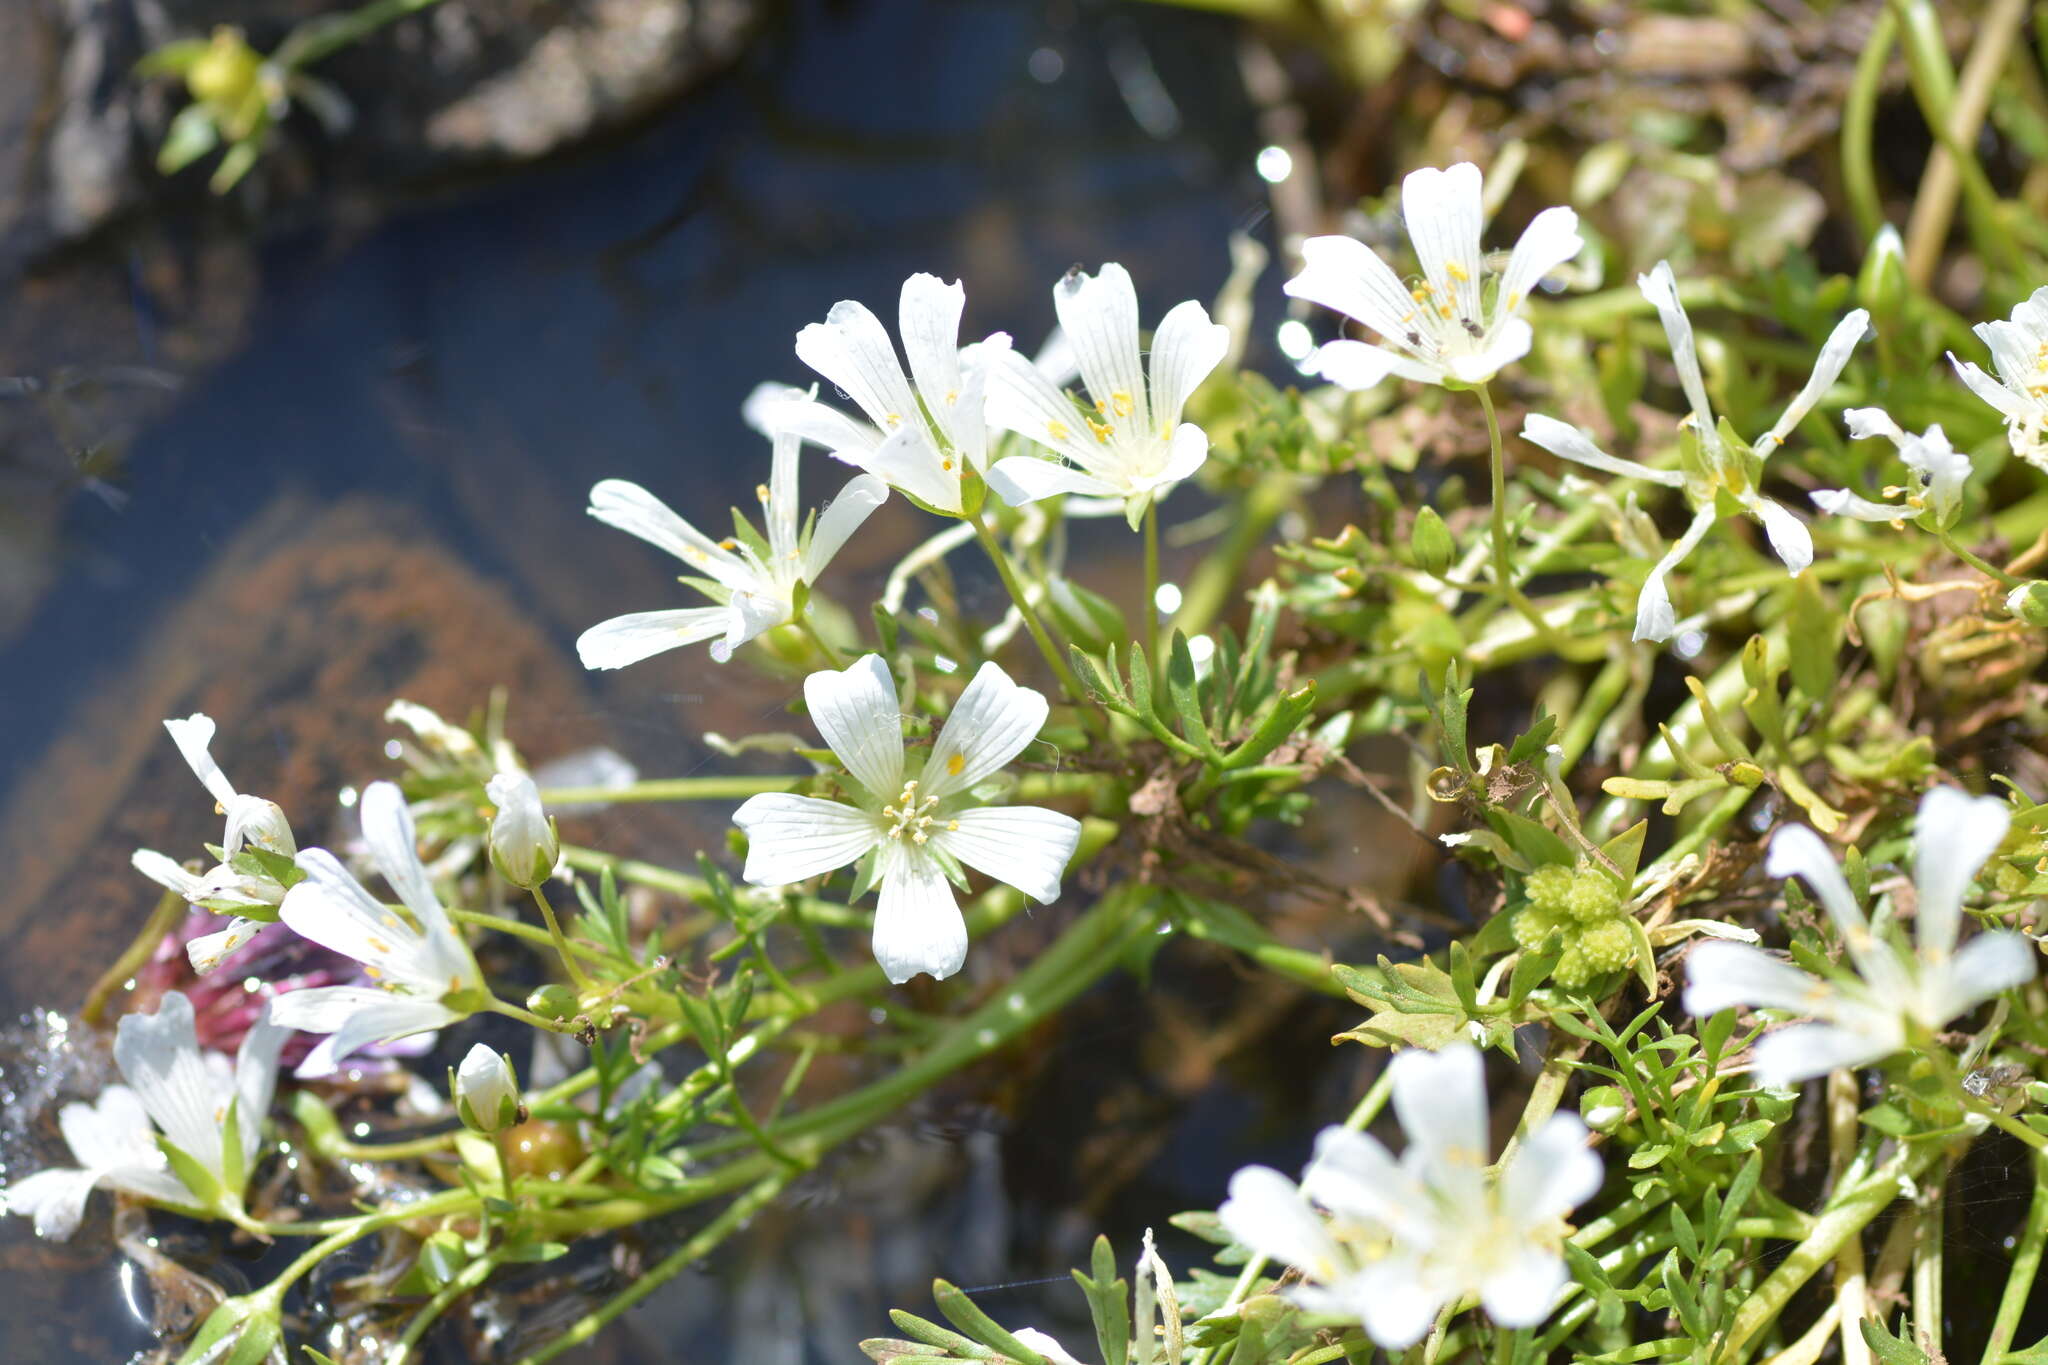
x: 1570, y: 443
x: 965, y: 421
x: 1022, y: 400
x: 918, y: 927
x: 1188, y: 453
x: 159, y: 1058
x: 1868, y: 423
x: 1444, y: 217
x: 1521, y: 1289
x: 2011, y: 404
x: 1660, y: 287
x: 1788, y: 535
x: 643, y: 634
x: 353, y: 1017
x: 1348, y: 277
x: 929, y: 321
x: 1988, y: 964
x: 194, y: 738
x: 1099, y: 314
x: 1804, y: 1051
x: 1796, y: 851
x: 54, y: 1198
x: 795, y: 413
x: 783, y: 514
x: 908, y: 460
x: 857, y: 713
x: 251, y: 819
x: 852, y: 349
x: 1834, y: 357
x: 1266, y: 1214
x: 1508, y: 342
x: 394, y: 847
x: 841, y: 518
x: 630, y: 508
x: 1721, y: 975
x: 748, y: 615
x: 791, y: 837
x: 113, y: 1131
x: 333, y: 910
x: 1359, y: 365
x: 1954, y: 835
x: 990, y: 725
x: 1441, y: 1099
x: 1550, y: 1174
x: 1026, y: 478
x: 1027, y: 847
x: 1551, y: 239
x: 256, y: 1079
x: 1186, y: 348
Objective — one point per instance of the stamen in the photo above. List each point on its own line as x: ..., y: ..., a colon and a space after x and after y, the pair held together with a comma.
x: 912, y: 814
x: 1121, y: 401
x: 1057, y: 430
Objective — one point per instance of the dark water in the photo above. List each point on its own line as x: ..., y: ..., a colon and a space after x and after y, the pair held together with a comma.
x: 479, y: 359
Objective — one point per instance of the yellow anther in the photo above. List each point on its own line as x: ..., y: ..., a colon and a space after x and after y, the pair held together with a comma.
x: 761, y: 491
x: 1101, y: 407
x: 728, y: 544
x: 1456, y: 271
x: 1121, y: 401
x: 956, y: 764
x: 1103, y: 430
x: 946, y: 464
x: 952, y: 397
x: 377, y: 943
x: 1057, y: 430
x: 1420, y: 293
x: 1514, y: 302
x: 893, y: 419
x: 1445, y: 310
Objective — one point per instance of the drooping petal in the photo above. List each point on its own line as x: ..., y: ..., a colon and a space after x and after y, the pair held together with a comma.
x: 791, y: 837
x: 1441, y: 1099
x: 630, y: 508
x: 1954, y: 835
x: 1186, y: 348
x: 168, y: 874
x: 1834, y: 357
x: 353, y: 1017
x: 1444, y: 217
x: 841, y: 518
x: 1099, y: 314
x: 251, y: 819
x: 2014, y: 407
x: 990, y: 725
x: 1551, y: 239
x: 918, y: 927
x: 1349, y: 277
x: 1789, y: 538
x: 1660, y: 287
x: 1026, y: 478
x: 1868, y: 423
x: 1027, y: 847
x: 194, y: 738
x: 158, y: 1055
x: 256, y: 1078
x: 1840, y: 502
x: 643, y: 634
x: 1988, y: 964
x: 1268, y: 1215
x: 394, y: 847
x: 208, y: 951
x: 1568, y: 442
x: 1550, y: 1174
x: 1803, y: 1051
x: 1655, y: 617
x: 856, y: 711
x: 852, y: 349
x: 1521, y: 1289
x: 1722, y: 975
x: 796, y: 413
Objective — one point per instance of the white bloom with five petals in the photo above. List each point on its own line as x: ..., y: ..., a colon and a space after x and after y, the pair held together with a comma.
x: 1128, y: 441
x: 425, y: 976
x: 1405, y: 1237
x: 175, y: 1089
x: 923, y: 432
x: 1711, y: 467
x: 917, y: 827
x: 1939, y: 473
x: 2019, y: 352
x: 755, y: 580
x: 1443, y: 328
x: 1896, y: 994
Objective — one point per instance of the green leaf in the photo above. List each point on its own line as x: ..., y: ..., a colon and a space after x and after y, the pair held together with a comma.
x: 1625, y: 850
x: 1108, y: 1304
x: 1530, y: 743
x: 1182, y: 686
x: 965, y: 1314
x: 1891, y: 1350
x: 205, y: 1186
x: 931, y: 1334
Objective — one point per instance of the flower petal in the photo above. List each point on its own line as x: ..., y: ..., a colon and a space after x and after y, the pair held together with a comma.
x: 1027, y: 847
x: 791, y: 837
x: 1444, y: 217
x: 1267, y: 1214
x: 208, y: 951
x: 1026, y: 478
x: 1797, y: 851
x: 990, y: 725
x: 1441, y: 1099
x: 1349, y: 277
x: 1523, y: 1287
x: 1954, y: 835
x: 1023, y: 400
x: 918, y: 927
x: 1569, y: 442
x: 852, y: 349
x: 1804, y: 1051
x: 1840, y: 502
x: 643, y: 634
x: 908, y: 460
x: 1988, y: 964
x: 929, y: 320
x: 1721, y: 975
x: 630, y: 508
x: 1834, y: 357
x: 1358, y: 1179
x: 168, y: 874
x: 1550, y: 1174
x: 841, y: 518
x: 353, y: 1017
x: 1655, y: 618
x: 55, y: 1199
x: 1508, y: 342
x: 1397, y: 1302
x: 1788, y: 534
x: 1186, y: 348
x: 113, y: 1131
x: 256, y: 1079
x: 1660, y: 287
x: 1551, y: 239
x: 394, y: 847
x: 856, y: 711
x: 159, y: 1058
x: 2014, y: 407
x: 1099, y: 314
x: 331, y: 908
x: 194, y: 738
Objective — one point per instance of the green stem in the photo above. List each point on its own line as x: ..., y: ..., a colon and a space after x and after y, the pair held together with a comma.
x: 1997, y: 575
x: 170, y: 909
x: 527, y: 1016
x: 2026, y: 1264
x: 561, y: 940
x: 1859, y: 119
x: 670, y: 789
x: 1061, y: 669
x: 470, y: 1277
x: 1222, y: 569
x: 1503, y: 571
x: 1149, y: 606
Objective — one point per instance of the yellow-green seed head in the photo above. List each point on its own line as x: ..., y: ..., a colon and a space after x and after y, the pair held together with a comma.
x: 1593, y: 896
x: 1549, y: 886
x: 1534, y: 923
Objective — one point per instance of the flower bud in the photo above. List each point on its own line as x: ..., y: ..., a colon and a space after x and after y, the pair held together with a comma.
x: 1430, y: 542
x: 486, y: 1092
x: 553, y: 1001
x: 242, y: 1331
x: 2029, y: 602
x: 524, y: 845
x: 1881, y: 284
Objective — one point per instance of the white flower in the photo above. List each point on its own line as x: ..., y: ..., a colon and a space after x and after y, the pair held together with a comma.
x: 251, y: 819
x: 1406, y: 1237
x: 1895, y: 992
x: 524, y: 844
x: 1710, y: 468
x: 486, y: 1091
x: 174, y: 1087
x: 2019, y: 351
x: 918, y: 827
x: 1129, y: 442
x: 755, y: 580
x: 425, y: 976
x: 1441, y: 329
x: 1046, y: 1345
x: 1939, y: 473
x: 924, y: 432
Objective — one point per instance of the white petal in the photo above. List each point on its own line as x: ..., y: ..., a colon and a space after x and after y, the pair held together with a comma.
x: 1655, y: 619
x: 852, y: 349
x: 1834, y: 357
x: 990, y: 725
x: 207, y: 951
x: 362, y: 1018
x: 253, y: 820
x: 1505, y: 344
x: 1441, y: 1099
x: 1444, y: 217
x: 1551, y: 1174
x: 749, y: 615
x: 1721, y: 975
x: 55, y: 1198
x: 1186, y: 348
x: 764, y: 408
x: 1570, y: 443
x: 643, y: 634
x: 1349, y: 277
x: 1840, y: 502
x: 1099, y: 314
x: 908, y: 460
x: 1522, y: 1290
x: 918, y: 927
x: 168, y: 874
x: 394, y: 847
x: 1359, y: 365
x: 1797, y: 851
x: 159, y: 1058
x: 1266, y: 1214
x: 194, y: 738
x: 840, y: 519
x: 1787, y: 534
x: 965, y: 420
x: 782, y: 514
x: 1988, y: 964
x: 1398, y: 1303
x: 790, y: 837
x: 112, y: 1132
x: 1188, y: 453
x: 1990, y: 390
x: 1954, y: 835
x: 1023, y: 400
x: 808, y: 419
x: 1357, y: 1178
x: 1551, y: 239
x: 1867, y: 423
x: 632, y: 509
x: 1054, y: 1353
x: 333, y: 910
x: 1804, y: 1051
x: 929, y: 322
x: 856, y: 711
x: 256, y: 1078
x: 1024, y: 846
x: 1660, y: 287
x: 1026, y: 478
